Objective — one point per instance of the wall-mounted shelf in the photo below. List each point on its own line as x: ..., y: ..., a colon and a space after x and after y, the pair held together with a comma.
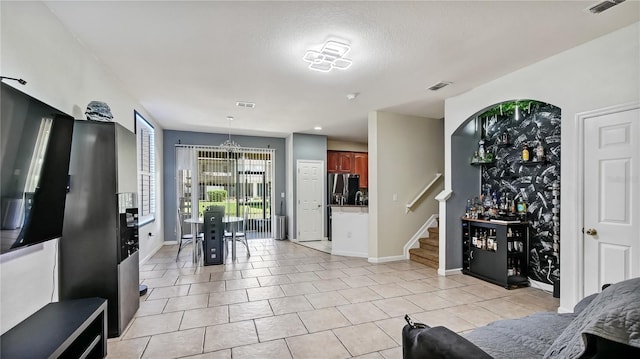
x: 483, y: 163
x: 532, y: 163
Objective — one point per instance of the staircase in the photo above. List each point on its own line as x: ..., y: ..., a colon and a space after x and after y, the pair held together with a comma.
x: 427, y: 254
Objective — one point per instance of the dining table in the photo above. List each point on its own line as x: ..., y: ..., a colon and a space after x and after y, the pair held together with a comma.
x: 231, y: 221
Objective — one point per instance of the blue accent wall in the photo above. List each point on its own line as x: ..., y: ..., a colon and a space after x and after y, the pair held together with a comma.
x: 172, y: 138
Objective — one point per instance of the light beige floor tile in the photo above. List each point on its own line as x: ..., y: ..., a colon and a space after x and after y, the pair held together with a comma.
x: 147, y: 268
x: 397, y: 306
x: 273, y: 280
x: 249, y: 310
x: 209, y: 287
x: 364, y: 338
x: 317, y: 345
x: 160, y: 282
x: 389, y: 290
x: 176, y: 344
x: 385, y: 278
x: 505, y: 308
x: 205, y: 317
x: 187, y: 302
x: 230, y: 335
x: 359, y: 281
x: 298, y: 288
x: 132, y: 348
x: 416, y: 286
x: 196, y: 278
x: 408, y: 275
x: 442, y: 318
x: 356, y: 271
x: 333, y: 265
x: 393, y: 353
x: 309, y: 267
x: 151, y: 274
x: 474, y: 314
x: 375, y: 355
x: 151, y: 307
x: 229, y: 297
x: 279, y: 326
x: 220, y: 354
x: 323, y: 319
x: 282, y: 270
x: 359, y: 295
x: 379, y: 268
x: 457, y: 296
x: 327, y: 299
x: 153, y: 324
x: 393, y: 327
x: 429, y: 301
x: 263, y: 293
x: 303, y: 277
x: 261, y: 272
x: 265, y: 264
x: 362, y: 312
x: 293, y: 304
x: 273, y: 349
x: 234, y: 284
x: 329, y: 285
x: 330, y: 274
x: 168, y: 292
x: 442, y: 282
x: 226, y: 275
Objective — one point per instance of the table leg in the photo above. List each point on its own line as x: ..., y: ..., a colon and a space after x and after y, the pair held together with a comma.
x: 233, y: 242
x: 194, y: 231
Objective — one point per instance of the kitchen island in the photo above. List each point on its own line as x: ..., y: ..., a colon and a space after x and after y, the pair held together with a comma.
x: 350, y: 230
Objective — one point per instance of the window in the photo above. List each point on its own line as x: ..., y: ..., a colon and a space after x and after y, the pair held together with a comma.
x: 146, y: 169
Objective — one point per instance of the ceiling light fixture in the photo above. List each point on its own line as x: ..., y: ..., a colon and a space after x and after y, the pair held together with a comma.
x: 352, y: 96
x: 331, y: 56
x: 318, y: 128
x: 440, y: 85
x: 246, y: 104
x: 229, y: 145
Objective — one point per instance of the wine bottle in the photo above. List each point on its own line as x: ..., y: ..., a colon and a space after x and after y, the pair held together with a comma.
x: 525, y: 153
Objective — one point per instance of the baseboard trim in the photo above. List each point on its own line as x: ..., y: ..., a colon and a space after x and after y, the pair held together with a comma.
x: 169, y: 243
x: 540, y: 285
x: 447, y: 272
x: 413, y: 242
x: 350, y: 254
x: 386, y: 259
x: 564, y: 310
x: 153, y: 252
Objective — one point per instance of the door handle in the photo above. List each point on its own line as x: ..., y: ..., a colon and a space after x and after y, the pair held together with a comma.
x: 471, y: 255
x: 592, y: 232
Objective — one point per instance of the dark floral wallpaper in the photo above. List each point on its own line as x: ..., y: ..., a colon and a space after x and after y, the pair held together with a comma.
x: 537, y: 182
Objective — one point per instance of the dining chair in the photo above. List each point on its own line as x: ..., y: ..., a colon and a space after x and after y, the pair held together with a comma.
x: 186, y: 238
x: 241, y: 233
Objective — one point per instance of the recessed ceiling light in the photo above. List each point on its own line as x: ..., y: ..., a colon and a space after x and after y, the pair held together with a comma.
x: 318, y: 128
x: 439, y: 85
x: 331, y: 56
x: 229, y: 118
x: 352, y: 96
x: 246, y: 104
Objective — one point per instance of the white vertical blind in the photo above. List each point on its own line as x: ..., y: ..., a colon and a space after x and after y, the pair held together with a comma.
x: 146, y: 166
x: 240, y: 180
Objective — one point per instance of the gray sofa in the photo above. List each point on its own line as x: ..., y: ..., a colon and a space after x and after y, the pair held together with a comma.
x: 604, y: 325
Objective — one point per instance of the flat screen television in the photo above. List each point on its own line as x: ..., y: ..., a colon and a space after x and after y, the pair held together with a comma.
x: 34, y: 155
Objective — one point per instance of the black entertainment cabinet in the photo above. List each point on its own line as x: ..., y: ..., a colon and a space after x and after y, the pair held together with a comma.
x: 496, y: 251
x: 68, y: 329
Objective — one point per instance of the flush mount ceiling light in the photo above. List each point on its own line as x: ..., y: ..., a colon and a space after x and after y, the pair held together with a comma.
x: 332, y: 56
x: 318, y: 128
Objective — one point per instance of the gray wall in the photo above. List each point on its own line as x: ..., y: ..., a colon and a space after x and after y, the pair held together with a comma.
x: 307, y: 147
x: 172, y: 138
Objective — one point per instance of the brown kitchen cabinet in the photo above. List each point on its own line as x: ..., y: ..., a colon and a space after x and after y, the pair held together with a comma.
x: 361, y: 167
x: 339, y: 162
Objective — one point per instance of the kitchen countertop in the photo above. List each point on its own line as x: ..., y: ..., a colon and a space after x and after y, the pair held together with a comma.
x: 349, y: 208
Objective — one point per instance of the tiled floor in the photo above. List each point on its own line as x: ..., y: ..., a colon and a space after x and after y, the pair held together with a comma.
x: 321, y: 245
x: 289, y: 301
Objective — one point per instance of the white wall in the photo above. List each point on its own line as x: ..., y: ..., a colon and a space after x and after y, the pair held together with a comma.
x: 600, y: 73
x: 405, y: 153
x: 61, y: 73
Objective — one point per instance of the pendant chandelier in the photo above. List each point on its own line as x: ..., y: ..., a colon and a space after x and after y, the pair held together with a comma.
x: 229, y: 145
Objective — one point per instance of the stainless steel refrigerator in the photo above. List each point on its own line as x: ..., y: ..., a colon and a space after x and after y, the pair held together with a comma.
x: 99, y: 245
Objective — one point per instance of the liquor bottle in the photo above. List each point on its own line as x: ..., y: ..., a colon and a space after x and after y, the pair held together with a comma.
x: 525, y: 153
x: 539, y: 152
x: 481, y: 150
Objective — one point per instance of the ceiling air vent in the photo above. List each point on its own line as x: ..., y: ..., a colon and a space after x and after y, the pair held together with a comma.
x: 440, y: 85
x: 604, y: 5
x: 246, y: 104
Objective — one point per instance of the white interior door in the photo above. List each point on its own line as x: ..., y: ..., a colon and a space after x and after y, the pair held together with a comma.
x: 611, y: 198
x: 310, y: 194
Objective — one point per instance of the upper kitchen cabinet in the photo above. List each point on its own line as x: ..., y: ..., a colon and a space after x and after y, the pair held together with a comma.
x: 339, y: 162
x: 361, y: 167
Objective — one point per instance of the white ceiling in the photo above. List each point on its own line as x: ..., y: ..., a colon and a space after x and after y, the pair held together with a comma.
x: 189, y: 62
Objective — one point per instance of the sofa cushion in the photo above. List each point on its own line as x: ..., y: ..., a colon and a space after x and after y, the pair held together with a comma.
x: 527, y: 337
x: 613, y: 315
x: 437, y: 343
